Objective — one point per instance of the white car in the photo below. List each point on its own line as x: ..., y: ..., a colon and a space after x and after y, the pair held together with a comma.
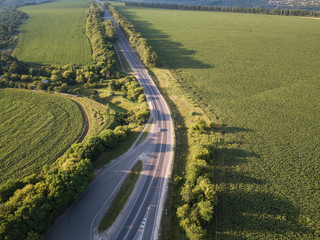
x: 160, y: 130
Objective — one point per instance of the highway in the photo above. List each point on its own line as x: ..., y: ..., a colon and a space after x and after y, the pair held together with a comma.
x: 140, y: 219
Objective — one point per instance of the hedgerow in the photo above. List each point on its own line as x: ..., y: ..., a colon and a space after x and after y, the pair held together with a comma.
x: 28, y: 206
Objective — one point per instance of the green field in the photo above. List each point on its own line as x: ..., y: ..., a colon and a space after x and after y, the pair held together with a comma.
x: 35, y: 129
x: 55, y: 34
x: 260, y: 75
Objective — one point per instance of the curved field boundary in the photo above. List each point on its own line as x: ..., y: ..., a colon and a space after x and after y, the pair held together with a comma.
x: 35, y: 129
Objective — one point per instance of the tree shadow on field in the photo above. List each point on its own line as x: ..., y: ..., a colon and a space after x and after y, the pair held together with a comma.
x: 172, y: 53
x: 225, y: 129
x: 263, y: 213
x: 247, y: 210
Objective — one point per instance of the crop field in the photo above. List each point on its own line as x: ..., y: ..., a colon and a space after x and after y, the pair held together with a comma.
x: 35, y: 129
x: 55, y: 34
x: 260, y: 76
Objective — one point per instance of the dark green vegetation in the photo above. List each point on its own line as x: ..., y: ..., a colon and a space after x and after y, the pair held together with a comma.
x: 273, y: 11
x: 28, y: 205
x: 259, y: 75
x: 198, y: 194
x: 197, y: 144
x: 147, y: 55
x: 280, y: 4
x: 101, y: 34
x: 35, y: 129
x: 121, y: 198
x: 10, y: 19
x: 55, y: 34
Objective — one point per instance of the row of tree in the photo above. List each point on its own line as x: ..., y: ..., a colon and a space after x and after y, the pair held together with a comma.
x: 103, y: 52
x: 10, y: 20
x: 145, y: 51
x: 14, y: 73
x: 198, y: 194
x: 274, y: 11
x: 29, y: 205
x: 101, y: 34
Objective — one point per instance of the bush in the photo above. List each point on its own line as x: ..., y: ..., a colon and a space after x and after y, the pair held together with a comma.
x: 199, y: 125
x: 109, y: 138
x: 92, y: 148
x: 198, y: 195
x: 121, y: 132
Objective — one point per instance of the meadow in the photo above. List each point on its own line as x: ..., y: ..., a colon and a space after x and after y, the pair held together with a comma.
x: 258, y: 76
x: 35, y: 129
x: 55, y: 34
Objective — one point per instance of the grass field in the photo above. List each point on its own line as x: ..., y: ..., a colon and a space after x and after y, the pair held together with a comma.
x: 35, y: 129
x: 259, y: 75
x: 55, y: 34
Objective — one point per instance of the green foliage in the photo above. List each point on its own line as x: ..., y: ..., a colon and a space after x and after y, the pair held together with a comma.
x: 36, y: 128
x: 10, y: 20
x: 54, y: 34
x: 199, y: 125
x: 17, y: 74
x: 198, y: 194
x: 147, y: 55
x: 111, y: 31
x: 139, y: 116
x: 7, y: 189
x: 29, y: 211
x: 29, y: 206
x: 254, y: 10
x: 93, y: 147
x: 101, y: 34
x: 109, y: 138
x: 121, y: 132
x: 33, y: 236
x: 260, y: 75
x: 221, y: 5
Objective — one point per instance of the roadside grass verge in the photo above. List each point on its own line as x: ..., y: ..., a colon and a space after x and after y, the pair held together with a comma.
x: 121, y: 198
x: 102, y: 113
x: 120, y: 149
x: 123, y: 60
x: 99, y: 116
x: 184, y: 111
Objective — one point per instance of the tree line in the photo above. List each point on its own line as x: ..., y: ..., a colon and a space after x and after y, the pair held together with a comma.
x: 146, y: 53
x: 198, y: 194
x: 10, y: 20
x: 274, y: 11
x: 25, y: 75
x: 29, y: 205
x: 16, y: 74
x: 103, y: 52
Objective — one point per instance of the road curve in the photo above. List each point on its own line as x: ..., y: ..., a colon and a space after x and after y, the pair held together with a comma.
x: 140, y: 219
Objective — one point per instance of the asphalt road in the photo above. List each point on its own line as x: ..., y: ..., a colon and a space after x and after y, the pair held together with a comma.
x: 140, y: 219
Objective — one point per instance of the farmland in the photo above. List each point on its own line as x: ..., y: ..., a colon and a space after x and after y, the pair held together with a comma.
x: 259, y: 77
x: 55, y: 34
x: 35, y: 129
